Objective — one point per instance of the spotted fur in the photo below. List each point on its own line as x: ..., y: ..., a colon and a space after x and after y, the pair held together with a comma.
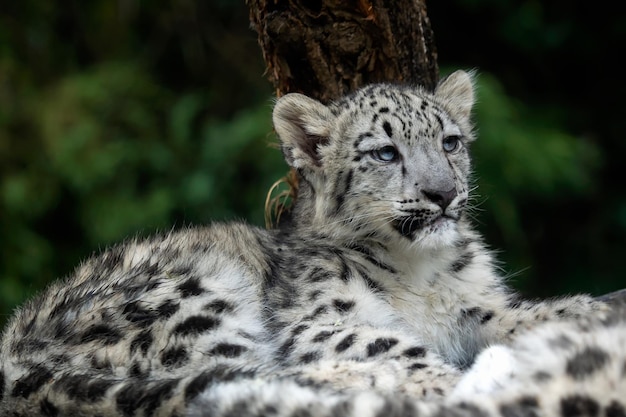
x: 373, y: 298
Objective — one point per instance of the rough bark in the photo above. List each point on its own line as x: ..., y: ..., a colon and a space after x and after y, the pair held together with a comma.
x: 327, y: 48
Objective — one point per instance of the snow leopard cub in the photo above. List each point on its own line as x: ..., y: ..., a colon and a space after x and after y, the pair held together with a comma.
x: 374, y: 296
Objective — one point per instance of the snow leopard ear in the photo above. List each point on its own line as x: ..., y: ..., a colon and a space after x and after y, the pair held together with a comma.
x: 303, y: 125
x: 457, y: 91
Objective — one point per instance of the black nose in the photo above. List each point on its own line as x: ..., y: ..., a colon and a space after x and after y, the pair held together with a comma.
x: 441, y: 198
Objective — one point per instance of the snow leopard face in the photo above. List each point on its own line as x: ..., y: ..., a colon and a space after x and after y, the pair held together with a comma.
x: 387, y: 162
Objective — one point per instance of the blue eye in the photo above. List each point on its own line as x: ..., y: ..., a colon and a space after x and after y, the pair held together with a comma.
x: 386, y: 154
x: 451, y: 143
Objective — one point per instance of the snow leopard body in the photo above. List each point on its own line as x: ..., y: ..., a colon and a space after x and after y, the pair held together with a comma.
x: 373, y: 298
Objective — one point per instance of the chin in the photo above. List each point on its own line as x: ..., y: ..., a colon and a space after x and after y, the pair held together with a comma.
x: 439, y: 235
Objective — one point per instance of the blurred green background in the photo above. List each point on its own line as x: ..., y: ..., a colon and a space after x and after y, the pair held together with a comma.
x: 122, y: 118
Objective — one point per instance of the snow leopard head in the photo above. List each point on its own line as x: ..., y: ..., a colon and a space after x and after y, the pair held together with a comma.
x: 386, y: 162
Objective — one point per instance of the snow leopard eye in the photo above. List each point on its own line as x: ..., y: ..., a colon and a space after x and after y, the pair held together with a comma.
x: 386, y: 154
x: 451, y: 143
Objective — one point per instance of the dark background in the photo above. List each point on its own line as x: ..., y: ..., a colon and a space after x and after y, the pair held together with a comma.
x: 124, y: 118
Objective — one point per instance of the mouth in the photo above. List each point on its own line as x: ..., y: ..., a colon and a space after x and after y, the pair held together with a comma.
x: 409, y: 225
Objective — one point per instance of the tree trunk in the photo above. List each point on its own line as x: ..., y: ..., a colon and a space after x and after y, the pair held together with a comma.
x: 327, y: 48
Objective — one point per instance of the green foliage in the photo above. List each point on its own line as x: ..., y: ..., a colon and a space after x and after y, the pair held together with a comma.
x: 522, y: 153
x: 118, y: 155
